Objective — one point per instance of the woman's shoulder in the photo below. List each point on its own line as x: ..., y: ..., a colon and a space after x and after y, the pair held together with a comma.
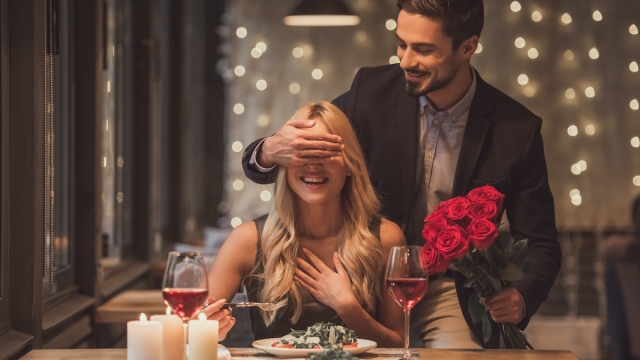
x: 390, y: 234
x: 244, y: 235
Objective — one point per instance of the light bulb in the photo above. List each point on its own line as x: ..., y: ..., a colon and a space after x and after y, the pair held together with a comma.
x: 241, y: 32
x: 523, y: 79
x: 568, y: 55
x: 520, y: 43
x: 294, y: 88
x: 265, y: 195
x: 590, y: 92
x: 566, y: 18
x: 236, y: 146
x: 235, y: 222
x: 261, y: 85
x: 297, y: 52
x: 515, y: 6
x: 572, y: 130
x: 536, y: 16
x: 238, y: 108
x: 479, y: 49
x: 533, y: 53
x: 239, y: 70
x: 594, y: 54
x: 391, y: 24
x: 597, y: 16
x: 317, y: 74
x: 570, y: 93
x: 590, y: 130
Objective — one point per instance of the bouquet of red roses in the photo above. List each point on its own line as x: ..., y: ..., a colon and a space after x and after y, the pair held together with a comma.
x: 462, y: 235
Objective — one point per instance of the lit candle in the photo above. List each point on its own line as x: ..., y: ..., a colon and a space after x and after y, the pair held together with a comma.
x: 144, y: 339
x: 172, y: 335
x: 203, y: 338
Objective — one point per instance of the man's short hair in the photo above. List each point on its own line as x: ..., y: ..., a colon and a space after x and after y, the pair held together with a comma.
x: 461, y: 19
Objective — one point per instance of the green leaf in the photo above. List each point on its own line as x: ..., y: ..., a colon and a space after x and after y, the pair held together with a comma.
x: 513, y: 272
x: 476, y: 309
x: 504, y: 240
x: 486, y: 329
x: 518, y: 251
x: 471, y: 282
x: 497, y: 285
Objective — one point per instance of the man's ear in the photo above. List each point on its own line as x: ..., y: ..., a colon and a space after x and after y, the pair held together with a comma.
x: 469, y: 47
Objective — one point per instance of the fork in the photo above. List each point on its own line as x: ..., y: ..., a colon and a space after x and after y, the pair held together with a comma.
x: 263, y: 306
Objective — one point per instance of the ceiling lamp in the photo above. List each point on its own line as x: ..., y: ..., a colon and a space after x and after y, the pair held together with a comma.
x: 321, y: 13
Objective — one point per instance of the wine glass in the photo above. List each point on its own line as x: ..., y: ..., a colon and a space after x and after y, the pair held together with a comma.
x: 406, y: 282
x: 184, y: 286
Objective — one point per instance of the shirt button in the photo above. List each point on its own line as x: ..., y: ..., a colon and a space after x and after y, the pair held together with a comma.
x: 436, y: 122
x: 429, y: 155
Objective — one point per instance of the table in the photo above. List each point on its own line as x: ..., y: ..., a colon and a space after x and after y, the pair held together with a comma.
x: 378, y: 354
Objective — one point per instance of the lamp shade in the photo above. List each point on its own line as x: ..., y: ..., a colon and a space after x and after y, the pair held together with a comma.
x: 321, y: 13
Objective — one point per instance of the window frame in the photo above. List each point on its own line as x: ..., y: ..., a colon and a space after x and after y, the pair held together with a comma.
x: 5, y: 324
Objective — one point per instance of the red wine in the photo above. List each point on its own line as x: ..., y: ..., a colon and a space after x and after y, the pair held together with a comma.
x: 407, y: 292
x: 185, y: 302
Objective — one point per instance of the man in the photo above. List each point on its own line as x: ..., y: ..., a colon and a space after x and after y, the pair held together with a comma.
x: 432, y: 129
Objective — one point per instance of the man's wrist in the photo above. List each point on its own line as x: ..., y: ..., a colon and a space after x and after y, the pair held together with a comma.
x: 253, y: 161
x: 261, y: 158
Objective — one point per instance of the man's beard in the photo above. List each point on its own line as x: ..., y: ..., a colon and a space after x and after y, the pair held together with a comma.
x: 414, y: 90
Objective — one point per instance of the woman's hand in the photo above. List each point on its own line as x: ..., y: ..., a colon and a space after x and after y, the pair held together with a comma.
x: 332, y: 288
x: 214, y: 312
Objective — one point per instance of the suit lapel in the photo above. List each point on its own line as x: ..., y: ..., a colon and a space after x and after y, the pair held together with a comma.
x: 408, y: 131
x: 473, y: 138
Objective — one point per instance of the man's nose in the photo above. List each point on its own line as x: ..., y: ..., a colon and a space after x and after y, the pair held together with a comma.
x: 408, y: 60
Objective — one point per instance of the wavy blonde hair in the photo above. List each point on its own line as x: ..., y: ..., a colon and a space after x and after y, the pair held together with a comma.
x: 360, y: 251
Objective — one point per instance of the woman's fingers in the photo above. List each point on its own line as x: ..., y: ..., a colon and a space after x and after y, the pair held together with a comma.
x: 315, y: 260
x: 224, y: 329
x: 313, y: 272
x: 338, y: 263
x: 309, y: 288
x: 213, y: 307
x: 308, y: 280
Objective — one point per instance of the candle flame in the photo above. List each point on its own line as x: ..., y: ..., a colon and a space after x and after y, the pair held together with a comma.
x: 202, y: 316
x: 143, y: 318
x: 168, y: 310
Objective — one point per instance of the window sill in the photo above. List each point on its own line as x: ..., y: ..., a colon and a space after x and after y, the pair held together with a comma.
x: 12, y: 343
x: 65, y: 310
x: 128, y: 274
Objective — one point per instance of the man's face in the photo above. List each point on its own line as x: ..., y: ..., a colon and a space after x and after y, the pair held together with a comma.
x: 426, y: 54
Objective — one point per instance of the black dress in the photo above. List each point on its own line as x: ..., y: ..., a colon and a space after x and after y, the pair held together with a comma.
x: 313, y: 311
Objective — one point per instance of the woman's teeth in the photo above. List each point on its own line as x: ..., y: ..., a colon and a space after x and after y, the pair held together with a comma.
x: 314, y: 180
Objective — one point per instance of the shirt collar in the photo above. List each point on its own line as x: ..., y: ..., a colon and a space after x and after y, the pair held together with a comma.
x: 457, y: 110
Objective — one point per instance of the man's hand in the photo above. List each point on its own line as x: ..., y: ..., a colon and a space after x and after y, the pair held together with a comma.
x: 294, y: 145
x: 506, y: 306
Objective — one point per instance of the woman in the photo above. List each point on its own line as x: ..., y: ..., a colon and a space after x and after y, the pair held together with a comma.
x: 322, y: 247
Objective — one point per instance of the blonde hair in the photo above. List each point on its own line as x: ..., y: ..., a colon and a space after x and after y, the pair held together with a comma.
x: 360, y: 251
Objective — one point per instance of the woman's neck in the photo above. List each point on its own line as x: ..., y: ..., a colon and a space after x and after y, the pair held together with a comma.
x: 318, y: 221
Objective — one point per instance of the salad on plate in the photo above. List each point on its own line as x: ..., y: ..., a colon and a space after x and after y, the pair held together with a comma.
x: 323, y: 335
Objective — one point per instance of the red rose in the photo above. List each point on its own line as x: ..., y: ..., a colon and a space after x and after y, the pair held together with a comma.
x: 453, y: 242
x: 432, y: 261
x: 482, y: 233
x: 483, y: 210
x: 486, y: 193
x: 443, y: 206
x: 433, y: 225
x: 458, y: 211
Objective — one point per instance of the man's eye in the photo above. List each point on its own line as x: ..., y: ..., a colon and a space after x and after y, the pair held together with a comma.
x: 402, y: 46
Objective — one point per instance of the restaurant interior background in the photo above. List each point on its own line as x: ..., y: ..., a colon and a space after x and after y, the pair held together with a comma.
x: 153, y: 101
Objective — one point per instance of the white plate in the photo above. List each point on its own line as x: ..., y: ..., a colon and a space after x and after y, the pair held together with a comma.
x: 223, y: 353
x: 265, y: 345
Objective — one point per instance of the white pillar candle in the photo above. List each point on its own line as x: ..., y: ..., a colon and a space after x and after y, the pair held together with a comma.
x: 203, y: 339
x: 144, y: 339
x: 172, y: 335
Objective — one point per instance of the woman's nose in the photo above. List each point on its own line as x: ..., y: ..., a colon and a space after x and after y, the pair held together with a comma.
x: 312, y: 167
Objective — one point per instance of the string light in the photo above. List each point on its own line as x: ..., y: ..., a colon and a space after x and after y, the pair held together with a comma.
x: 576, y: 200
x: 636, y: 180
x: 239, y: 70
x: 238, y: 185
x: 241, y: 32
x: 236, y: 146
x: 634, y: 104
x: 635, y: 142
x: 297, y: 52
x: 572, y: 130
x: 261, y: 85
x: 536, y: 16
x: 520, y: 43
x: 523, y: 79
x: 594, y: 54
x: 574, y: 192
x: 533, y: 53
x: 263, y: 120
x: 294, y: 88
x: 391, y: 24
x: 238, y: 108
x: 597, y: 16
x: 394, y: 60
x: 590, y: 92
x: 583, y: 165
x: 633, y: 66
x: 568, y: 55
x: 570, y: 93
x: 529, y: 91
x: 317, y: 74
x: 235, y: 222
x: 515, y: 6
x: 261, y: 46
x: 566, y: 18
x: 265, y: 195
x: 479, y: 49
x: 256, y: 53
x: 575, y: 169
x: 633, y: 29
x: 590, y: 130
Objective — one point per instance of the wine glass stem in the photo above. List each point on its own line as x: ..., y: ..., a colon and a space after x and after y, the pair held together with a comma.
x: 407, y: 320
x: 186, y: 339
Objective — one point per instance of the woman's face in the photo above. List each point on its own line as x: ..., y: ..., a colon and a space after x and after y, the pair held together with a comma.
x: 321, y: 182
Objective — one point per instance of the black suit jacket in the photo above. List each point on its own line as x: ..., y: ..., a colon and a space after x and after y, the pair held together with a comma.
x: 502, y: 146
